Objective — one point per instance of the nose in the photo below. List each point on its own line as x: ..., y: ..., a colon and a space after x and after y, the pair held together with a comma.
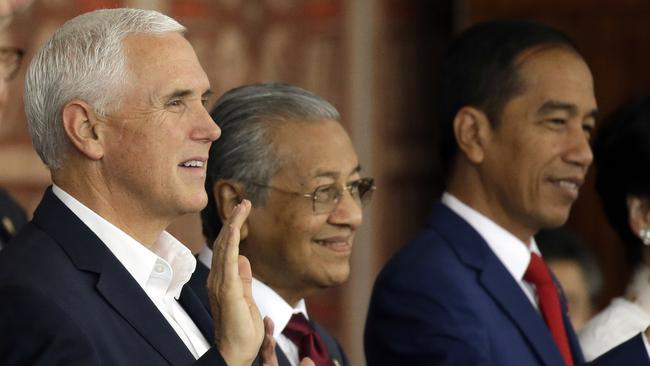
x: 206, y: 129
x: 348, y: 212
x: 579, y: 152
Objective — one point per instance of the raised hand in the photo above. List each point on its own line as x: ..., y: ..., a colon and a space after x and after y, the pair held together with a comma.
x: 267, y: 352
x: 239, y: 330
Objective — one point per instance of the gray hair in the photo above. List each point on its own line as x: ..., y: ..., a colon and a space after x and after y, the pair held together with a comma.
x: 243, y: 152
x: 84, y: 59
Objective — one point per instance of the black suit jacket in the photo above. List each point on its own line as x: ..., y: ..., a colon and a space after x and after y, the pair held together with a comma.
x: 66, y: 300
x: 198, y: 284
x: 12, y: 218
x: 446, y: 299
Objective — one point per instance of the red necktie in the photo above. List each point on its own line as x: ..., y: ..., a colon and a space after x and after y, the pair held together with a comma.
x: 549, y: 304
x: 309, y: 343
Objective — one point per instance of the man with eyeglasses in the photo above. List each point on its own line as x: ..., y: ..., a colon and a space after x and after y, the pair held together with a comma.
x: 12, y: 216
x: 284, y: 149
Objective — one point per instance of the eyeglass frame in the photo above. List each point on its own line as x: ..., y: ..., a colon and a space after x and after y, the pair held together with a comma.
x: 16, y: 52
x: 371, y: 188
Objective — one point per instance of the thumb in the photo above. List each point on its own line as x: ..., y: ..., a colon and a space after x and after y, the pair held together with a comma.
x: 306, y: 362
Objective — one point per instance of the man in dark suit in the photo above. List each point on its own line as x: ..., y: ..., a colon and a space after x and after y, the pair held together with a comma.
x: 12, y: 218
x: 516, y: 110
x: 115, y: 103
x: 284, y: 149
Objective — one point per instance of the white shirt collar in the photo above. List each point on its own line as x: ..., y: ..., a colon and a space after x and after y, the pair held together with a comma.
x: 512, y: 252
x: 273, y: 305
x: 168, y: 258
x: 205, y: 256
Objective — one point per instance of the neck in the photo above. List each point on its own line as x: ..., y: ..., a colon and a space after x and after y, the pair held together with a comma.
x: 131, y: 218
x: 291, y: 294
x: 466, y: 187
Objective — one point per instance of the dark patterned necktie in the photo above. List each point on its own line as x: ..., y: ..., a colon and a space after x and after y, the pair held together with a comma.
x: 309, y: 342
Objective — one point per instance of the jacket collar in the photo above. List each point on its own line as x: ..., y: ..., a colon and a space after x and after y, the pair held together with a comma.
x: 474, y: 253
x: 115, y: 284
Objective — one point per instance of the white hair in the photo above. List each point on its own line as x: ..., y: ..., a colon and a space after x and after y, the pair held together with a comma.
x: 83, y: 60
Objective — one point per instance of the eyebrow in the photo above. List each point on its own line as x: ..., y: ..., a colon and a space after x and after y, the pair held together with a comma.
x: 183, y: 93
x: 334, y: 175
x: 554, y: 105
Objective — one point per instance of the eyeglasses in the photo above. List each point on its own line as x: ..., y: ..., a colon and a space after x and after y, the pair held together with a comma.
x: 10, y: 58
x: 326, y: 198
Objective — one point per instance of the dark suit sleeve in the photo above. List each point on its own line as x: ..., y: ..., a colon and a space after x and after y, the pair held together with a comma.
x: 12, y: 217
x: 632, y: 352
x: 344, y: 357
x: 35, y: 331
x: 211, y: 358
x: 431, y: 332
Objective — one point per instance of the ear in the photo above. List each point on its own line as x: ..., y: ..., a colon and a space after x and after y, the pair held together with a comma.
x: 638, y: 211
x: 471, y: 128
x: 228, y: 194
x: 81, y: 126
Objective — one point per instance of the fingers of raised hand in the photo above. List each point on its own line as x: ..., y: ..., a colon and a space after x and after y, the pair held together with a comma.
x: 267, y: 351
x: 226, y: 246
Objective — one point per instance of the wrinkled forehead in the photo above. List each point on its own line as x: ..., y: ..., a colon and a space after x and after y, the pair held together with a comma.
x: 314, y: 149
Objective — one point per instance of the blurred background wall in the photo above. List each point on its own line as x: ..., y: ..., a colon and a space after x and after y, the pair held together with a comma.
x: 375, y: 60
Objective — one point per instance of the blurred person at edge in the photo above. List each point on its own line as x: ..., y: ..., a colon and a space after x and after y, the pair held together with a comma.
x: 621, y: 153
x: 576, y: 270
x: 284, y: 148
x: 12, y: 215
x: 94, y: 278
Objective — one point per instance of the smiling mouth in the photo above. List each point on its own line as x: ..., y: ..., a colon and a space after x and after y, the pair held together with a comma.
x: 192, y: 164
x: 570, y: 186
x: 340, y: 245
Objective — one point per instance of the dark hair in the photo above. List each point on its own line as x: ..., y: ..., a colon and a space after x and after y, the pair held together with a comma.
x: 621, y: 150
x: 244, y: 153
x: 560, y: 244
x: 479, y: 69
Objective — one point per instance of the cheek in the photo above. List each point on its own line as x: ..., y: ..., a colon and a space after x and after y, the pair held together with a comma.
x: 302, y: 228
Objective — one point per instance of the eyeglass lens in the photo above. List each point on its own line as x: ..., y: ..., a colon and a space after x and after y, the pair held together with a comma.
x: 326, y: 198
x: 10, y: 58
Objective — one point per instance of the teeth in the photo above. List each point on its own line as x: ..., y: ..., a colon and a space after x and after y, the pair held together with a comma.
x: 193, y: 163
x: 567, y: 184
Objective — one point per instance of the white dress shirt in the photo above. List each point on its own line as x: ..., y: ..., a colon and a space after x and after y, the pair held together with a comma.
x: 512, y: 252
x: 161, y: 270
x: 272, y: 305
x: 205, y: 256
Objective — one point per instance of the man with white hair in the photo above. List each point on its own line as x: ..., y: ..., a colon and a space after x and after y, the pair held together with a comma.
x: 115, y: 102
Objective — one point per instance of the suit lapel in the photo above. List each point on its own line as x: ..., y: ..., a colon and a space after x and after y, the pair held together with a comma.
x: 576, y: 351
x: 196, y: 310
x: 330, y: 342
x: 507, y: 293
x: 114, y: 283
x: 474, y: 252
x: 127, y: 297
x: 282, y: 358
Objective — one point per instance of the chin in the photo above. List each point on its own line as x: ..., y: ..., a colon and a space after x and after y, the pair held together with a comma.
x: 555, y: 220
x: 339, y: 276
x: 195, y: 204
